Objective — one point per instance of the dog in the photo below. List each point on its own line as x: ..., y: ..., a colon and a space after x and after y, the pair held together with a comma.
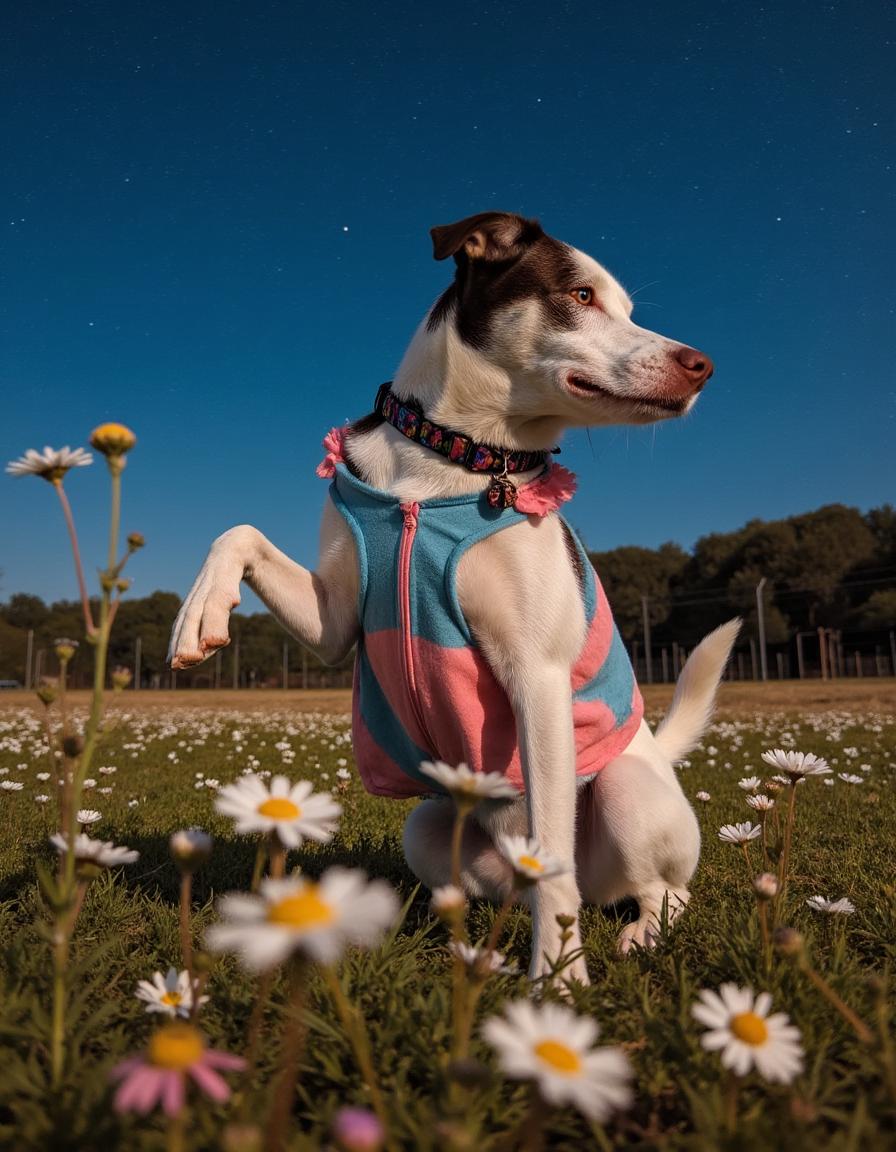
x: 532, y: 337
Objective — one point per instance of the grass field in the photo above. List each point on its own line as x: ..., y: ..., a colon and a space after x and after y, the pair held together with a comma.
x: 170, y: 752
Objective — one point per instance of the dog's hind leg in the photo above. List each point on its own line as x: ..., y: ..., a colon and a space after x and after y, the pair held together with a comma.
x: 427, y: 848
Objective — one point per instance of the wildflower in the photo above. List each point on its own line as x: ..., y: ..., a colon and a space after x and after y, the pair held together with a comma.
x: 761, y: 802
x: 796, y: 766
x: 42, y: 799
x: 170, y: 994
x: 121, y: 677
x: 190, y: 848
x: 704, y: 796
x: 51, y: 464
x: 789, y: 942
x: 88, y: 816
x: 467, y: 786
x: 357, y: 1130
x: 766, y: 886
x: 11, y: 785
x: 135, y: 540
x: 739, y: 833
x: 749, y: 783
x: 318, y: 918
x: 850, y: 778
x: 343, y: 774
x: 100, y: 852
x: 841, y: 907
x: 112, y: 439
x: 175, y: 1051
x: 551, y: 1045
x: 529, y: 861
x: 65, y: 650
x: 448, y: 901
x: 294, y: 812
x: 480, y: 960
x: 738, y: 1023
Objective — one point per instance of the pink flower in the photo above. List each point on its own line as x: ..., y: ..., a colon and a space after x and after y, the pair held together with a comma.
x: 334, y: 442
x: 159, y: 1077
x: 547, y: 492
x: 357, y: 1130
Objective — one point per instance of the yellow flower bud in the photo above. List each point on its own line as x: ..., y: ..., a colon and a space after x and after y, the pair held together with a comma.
x: 113, y: 439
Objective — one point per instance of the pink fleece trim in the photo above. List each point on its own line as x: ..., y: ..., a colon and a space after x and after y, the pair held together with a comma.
x: 334, y: 442
x: 546, y: 493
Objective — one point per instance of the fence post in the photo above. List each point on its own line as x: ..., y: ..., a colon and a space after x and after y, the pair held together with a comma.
x: 676, y: 660
x: 138, y: 652
x: 823, y: 653
x: 29, y: 652
x: 760, y: 609
x: 665, y: 658
x: 645, y: 609
x: 236, y: 664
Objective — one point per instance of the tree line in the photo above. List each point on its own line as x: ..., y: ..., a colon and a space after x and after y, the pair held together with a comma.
x: 833, y: 568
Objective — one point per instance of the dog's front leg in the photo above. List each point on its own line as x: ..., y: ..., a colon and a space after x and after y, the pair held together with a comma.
x: 543, y: 711
x: 531, y: 638
x: 318, y: 608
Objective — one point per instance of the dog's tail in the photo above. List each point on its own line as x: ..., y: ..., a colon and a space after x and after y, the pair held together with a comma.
x: 695, y: 694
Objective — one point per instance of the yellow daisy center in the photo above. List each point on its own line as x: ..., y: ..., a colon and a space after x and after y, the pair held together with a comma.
x: 303, y: 910
x: 750, y: 1028
x: 176, y: 1047
x: 172, y: 999
x: 280, y: 808
x: 559, y: 1057
x: 531, y: 862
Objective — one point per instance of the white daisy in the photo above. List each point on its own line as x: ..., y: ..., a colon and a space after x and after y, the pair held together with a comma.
x: 739, y: 1025
x: 448, y: 901
x: 850, y: 778
x: 190, y: 848
x: 551, y: 1045
x: 463, y: 784
x: 749, y: 783
x: 841, y: 907
x: 318, y: 918
x: 52, y: 464
x: 739, y: 833
x: 11, y: 785
x: 88, y: 816
x: 170, y: 994
x: 42, y: 799
x: 796, y: 766
x: 101, y: 852
x: 529, y: 861
x: 704, y: 796
x: 480, y: 961
x: 761, y: 802
x: 293, y: 811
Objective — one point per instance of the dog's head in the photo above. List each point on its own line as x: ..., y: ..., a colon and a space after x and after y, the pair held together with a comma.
x: 559, y: 325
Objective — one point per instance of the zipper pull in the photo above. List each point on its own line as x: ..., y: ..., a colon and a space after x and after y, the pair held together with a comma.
x: 411, y: 511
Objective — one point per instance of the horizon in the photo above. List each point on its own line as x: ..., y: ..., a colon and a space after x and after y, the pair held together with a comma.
x: 217, y: 232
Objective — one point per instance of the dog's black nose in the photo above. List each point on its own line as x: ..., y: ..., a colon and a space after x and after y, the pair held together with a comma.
x: 698, y: 367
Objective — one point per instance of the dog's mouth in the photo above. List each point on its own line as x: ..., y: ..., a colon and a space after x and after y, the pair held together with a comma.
x: 662, y: 403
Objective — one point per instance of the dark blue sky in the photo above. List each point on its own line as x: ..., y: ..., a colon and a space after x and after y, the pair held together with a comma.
x: 215, y: 228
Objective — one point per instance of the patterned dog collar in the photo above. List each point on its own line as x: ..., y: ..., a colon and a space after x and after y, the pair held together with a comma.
x: 407, y: 416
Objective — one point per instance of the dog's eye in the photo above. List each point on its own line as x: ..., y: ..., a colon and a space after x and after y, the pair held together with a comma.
x: 583, y: 295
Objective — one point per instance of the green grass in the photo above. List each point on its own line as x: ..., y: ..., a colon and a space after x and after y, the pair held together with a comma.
x: 128, y: 928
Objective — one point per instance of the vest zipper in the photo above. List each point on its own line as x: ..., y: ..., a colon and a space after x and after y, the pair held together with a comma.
x: 411, y: 513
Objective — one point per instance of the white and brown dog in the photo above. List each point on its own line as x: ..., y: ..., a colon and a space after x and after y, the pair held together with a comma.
x: 532, y: 337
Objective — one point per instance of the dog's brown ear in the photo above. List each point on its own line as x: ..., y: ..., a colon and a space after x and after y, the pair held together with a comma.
x: 485, y: 236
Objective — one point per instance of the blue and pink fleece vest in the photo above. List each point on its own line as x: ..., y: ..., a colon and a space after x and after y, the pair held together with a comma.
x: 422, y: 688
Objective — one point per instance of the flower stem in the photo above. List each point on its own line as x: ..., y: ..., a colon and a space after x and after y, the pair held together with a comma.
x: 57, y: 1041
x: 79, y: 571
x: 253, y: 1035
x: 186, y: 942
x: 277, y: 855
x: 260, y: 856
x: 457, y: 837
x: 785, y: 852
x: 175, y: 1135
x: 290, y: 1055
x: 860, y: 1028
x: 731, y: 1099
x: 353, y: 1023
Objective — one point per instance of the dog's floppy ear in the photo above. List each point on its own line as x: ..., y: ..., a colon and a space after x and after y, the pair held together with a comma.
x: 485, y: 236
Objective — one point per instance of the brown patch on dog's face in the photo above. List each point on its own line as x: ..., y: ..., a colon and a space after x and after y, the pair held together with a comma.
x: 502, y: 259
